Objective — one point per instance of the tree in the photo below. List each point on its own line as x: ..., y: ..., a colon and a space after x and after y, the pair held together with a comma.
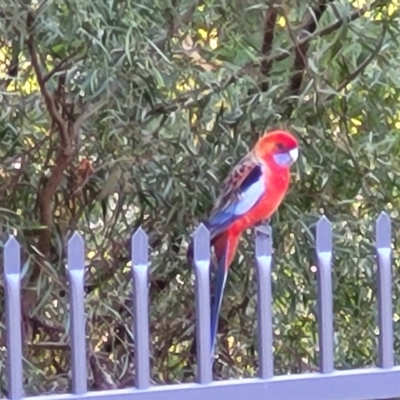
x: 117, y: 115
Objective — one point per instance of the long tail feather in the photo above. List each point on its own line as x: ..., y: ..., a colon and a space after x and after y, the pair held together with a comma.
x: 220, y: 282
x: 225, y: 247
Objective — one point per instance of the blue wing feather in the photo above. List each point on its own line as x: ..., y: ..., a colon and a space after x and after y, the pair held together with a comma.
x: 248, y: 194
x: 253, y: 176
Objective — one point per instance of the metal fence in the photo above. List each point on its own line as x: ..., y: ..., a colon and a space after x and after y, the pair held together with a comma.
x: 381, y: 382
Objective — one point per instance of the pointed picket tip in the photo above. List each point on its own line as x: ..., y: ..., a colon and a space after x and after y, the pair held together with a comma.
x: 324, y: 235
x: 383, y: 230
x: 201, y: 243
x: 12, y: 244
x: 139, y: 247
x: 201, y: 230
x: 383, y: 215
x: 12, y: 256
x: 76, y: 239
x: 76, y: 255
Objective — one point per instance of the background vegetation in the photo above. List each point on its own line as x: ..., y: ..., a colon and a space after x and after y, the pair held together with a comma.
x: 116, y: 114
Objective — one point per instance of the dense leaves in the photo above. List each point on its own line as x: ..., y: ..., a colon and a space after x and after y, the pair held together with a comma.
x: 117, y: 114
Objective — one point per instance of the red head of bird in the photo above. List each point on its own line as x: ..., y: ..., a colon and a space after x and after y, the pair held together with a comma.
x: 279, y: 147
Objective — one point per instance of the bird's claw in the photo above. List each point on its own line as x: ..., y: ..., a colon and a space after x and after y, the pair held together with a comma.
x: 264, y: 227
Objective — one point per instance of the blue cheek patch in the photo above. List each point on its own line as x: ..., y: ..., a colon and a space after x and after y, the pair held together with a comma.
x: 283, y: 159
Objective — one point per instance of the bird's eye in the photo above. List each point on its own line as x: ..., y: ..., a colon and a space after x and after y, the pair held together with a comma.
x: 280, y: 146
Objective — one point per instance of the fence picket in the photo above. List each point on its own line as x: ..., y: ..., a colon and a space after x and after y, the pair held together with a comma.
x: 12, y: 269
x: 384, y: 275
x: 325, y: 301
x: 263, y: 250
x: 201, y: 254
x: 140, y: 271
x: 353, y: 384
x: 76, y: 276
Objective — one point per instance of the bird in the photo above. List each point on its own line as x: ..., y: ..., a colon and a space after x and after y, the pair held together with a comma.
x: 249, y: 196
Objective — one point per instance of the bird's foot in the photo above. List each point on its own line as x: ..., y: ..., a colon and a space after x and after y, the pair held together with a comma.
x: 264, y: 227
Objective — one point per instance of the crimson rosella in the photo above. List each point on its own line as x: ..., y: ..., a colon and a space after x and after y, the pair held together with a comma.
x: 249, y: 195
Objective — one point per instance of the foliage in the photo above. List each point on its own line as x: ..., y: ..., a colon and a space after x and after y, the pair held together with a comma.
x: 117, y: 114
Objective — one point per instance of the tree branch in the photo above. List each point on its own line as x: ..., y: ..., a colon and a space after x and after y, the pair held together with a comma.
x: 46, y: 194
x: 48, y: 98
x: 68, y: 133
x: 362, y: 66
x: 61, y: 66
x: 102, y: 380
x: 310, y: 20
x: 13, y: 65
x: 186, y: 17
x: 268, y: 41
x: 328, y: 29
x: 190, y: 98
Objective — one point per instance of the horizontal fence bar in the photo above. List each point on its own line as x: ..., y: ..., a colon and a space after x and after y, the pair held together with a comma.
x: 365, y: 384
